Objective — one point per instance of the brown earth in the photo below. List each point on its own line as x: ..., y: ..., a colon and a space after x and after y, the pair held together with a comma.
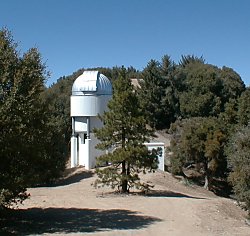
x: 74, y: 207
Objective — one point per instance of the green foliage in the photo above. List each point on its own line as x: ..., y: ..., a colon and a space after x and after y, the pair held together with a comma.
x: 238, y: 152
x: 206, y: 89
x: 233, y: 86
x: 201, y: 95
x: 189, y: 89
x: 237, y: 112
x: 57, y: 98
x: 185, y: 60
x: 113, y: 73
x: 27, y: 154
x: 230, y: 116
x: 244, y: 108
x: 157, y: 95
x: 124, y: 132
x: 199, y: 142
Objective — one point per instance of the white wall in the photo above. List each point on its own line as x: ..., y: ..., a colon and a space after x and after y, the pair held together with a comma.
x: 94, y: 152
x: 88, y: 105
x: 80, y: 124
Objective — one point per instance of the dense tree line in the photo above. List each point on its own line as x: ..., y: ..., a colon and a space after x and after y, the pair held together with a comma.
x: 210, y: 105
x: 206, y: 109
x: 190, y: 89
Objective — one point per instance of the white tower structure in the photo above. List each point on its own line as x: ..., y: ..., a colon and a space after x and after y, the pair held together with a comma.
x: 91, y: 92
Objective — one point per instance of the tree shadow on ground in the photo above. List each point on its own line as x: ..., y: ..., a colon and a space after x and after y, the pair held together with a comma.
x: 71, y: 176
x: 77, y: 177
x: 37, y: 221
x: 167, y: 193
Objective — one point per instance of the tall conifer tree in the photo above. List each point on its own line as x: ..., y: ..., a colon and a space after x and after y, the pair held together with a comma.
x: 124, y: 132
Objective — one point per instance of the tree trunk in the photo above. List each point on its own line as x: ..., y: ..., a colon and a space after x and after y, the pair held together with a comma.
x: 124, y: 180
x: 207, y: 184
x: 128, y: 170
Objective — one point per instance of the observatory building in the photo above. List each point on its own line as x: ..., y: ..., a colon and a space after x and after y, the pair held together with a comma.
x: 91, y: 92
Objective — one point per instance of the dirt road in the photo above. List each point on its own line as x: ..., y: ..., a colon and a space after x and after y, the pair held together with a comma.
x: 74, y: 207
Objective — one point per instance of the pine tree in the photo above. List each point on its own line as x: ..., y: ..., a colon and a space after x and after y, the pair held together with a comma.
x: 29, y: 154
x: 152, y: 93
x: 124, y: 132
x: 157, y: 94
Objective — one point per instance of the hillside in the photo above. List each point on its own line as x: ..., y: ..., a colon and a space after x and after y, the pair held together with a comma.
x: 74, y: 207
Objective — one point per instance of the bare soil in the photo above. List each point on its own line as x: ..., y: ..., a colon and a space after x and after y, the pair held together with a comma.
x: 75, y: 207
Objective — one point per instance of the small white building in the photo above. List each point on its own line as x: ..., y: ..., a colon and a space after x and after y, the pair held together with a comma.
x: 91, y: 92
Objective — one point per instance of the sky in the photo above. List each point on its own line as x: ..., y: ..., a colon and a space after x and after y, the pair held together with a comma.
x: 75, y: 34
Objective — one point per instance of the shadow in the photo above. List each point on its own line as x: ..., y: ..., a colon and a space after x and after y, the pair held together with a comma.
x: 165, y: 193
x: 77, y: 177
x: 37, y: 221
x: 70, y: 176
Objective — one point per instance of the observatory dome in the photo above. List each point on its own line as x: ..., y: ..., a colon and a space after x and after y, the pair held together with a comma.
x: 91, y: 83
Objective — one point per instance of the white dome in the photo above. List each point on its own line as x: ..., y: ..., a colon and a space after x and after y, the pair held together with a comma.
x: 92, y: 83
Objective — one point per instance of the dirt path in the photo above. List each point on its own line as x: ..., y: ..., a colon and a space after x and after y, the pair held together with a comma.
x: 74, y: 207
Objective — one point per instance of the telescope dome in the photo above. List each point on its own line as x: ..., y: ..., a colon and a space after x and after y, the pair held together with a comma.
x: 92, y: 83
